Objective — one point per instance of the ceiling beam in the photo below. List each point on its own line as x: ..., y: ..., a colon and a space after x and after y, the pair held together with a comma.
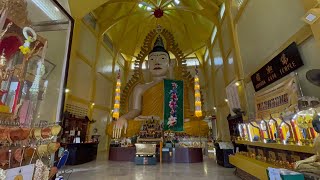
x: 79, y: 8
x: 106, y: 25
x: 204, y: 14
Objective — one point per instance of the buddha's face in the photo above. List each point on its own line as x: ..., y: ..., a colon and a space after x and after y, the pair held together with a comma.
x: 158, y: 63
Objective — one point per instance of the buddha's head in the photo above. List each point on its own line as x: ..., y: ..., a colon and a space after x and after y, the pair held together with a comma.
x: 158, y: 59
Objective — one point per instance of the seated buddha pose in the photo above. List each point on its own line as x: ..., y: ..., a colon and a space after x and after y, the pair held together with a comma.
x: 147, y: 99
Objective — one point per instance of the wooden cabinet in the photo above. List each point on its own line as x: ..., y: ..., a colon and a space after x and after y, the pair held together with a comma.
x: 74, y: 126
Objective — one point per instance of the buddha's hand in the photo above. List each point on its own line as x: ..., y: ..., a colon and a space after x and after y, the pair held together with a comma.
x: 120, y: 124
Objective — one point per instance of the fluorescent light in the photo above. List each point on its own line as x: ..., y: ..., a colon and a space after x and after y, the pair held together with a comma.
x: 49, y: 9
x: 311, y: 17
x: 222, y: 10
x: 67, y: 90
x: 214, y: 33
x: 230, y: 60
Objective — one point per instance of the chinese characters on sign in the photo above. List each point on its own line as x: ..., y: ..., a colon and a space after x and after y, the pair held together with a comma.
x: 283, y: 64
x: 282, y: 98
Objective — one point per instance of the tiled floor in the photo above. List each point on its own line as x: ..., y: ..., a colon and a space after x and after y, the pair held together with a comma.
x: 109, y: 170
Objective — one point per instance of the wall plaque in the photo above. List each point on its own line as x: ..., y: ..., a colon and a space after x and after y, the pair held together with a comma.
x: 281, y: 65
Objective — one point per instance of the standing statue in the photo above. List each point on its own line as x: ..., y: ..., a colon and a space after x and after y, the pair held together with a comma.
x: 158, y: 66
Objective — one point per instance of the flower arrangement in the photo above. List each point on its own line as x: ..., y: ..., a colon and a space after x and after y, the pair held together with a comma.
x: 172, y: 120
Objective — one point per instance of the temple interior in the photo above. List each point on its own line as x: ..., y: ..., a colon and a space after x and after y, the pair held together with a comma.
x: 159, y: 89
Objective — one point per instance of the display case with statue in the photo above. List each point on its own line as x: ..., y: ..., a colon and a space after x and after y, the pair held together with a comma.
x: 33, y: 61
x: 289, y: 139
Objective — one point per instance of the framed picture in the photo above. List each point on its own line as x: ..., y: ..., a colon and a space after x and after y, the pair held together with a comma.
x: 32, y: 67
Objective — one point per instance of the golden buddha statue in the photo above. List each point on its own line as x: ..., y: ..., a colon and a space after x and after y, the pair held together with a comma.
x: 147, y: 99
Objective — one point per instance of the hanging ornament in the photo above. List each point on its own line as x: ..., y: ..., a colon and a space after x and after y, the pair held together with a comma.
x: 197, y: 95
x: 116, y: 106
x: 158, y: 13
x: 25, y: 48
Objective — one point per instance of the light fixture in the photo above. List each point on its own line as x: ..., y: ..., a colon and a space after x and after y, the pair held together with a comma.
x: 169, y: 6
x: 149, y: 8
x: 67, y: 90
x: 116, y: 105
x: 49, y: 9
x: 214, y: 108
x: 197, y: 95
x: 226, y: 100
x: 311, y: 16
x: 237, y: 83
x: 92, y: 104
x: 140, y: 5
x: 177, y: 1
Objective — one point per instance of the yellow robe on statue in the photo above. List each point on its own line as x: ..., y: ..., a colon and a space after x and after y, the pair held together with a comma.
x: 152, y: 105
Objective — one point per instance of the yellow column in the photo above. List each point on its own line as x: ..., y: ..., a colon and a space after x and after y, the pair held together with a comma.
x: 91, y: 106
x: 222, y: 107
x: 238, y: 65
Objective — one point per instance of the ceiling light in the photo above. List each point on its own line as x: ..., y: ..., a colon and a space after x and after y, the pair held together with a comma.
x: 140, y: 5
x: 67, y: 90
x: 311, y: 16
x: 149, y: 8
x: 177, y: 1
x: 49, y: 9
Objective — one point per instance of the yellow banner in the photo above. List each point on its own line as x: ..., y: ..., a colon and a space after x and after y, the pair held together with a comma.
x: 282, y: 98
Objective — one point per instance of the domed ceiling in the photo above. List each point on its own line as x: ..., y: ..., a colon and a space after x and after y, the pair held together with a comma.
x: 127, y: 22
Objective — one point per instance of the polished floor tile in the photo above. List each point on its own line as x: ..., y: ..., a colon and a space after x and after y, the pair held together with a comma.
x: 109, y: 170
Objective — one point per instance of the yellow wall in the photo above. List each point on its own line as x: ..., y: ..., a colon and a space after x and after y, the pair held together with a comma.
x: 91, y: 78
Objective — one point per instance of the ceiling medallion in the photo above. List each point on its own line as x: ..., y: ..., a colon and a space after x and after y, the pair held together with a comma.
x: 158, y: 13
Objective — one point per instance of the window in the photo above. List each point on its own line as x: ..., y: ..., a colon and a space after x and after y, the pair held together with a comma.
x: 90, y: 20
x: 239, y: 3
x: 230, y: 59
x: 222, y: 10
x: 218, y: 61
x: 206, y: 56
x: 107, y: 41
x: 144, y: 65
x: 192, y: 62
x: 214, y: 33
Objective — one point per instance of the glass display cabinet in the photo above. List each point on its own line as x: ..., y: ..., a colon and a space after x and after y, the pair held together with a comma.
x: 35, y: 42
x: 34, y: 46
